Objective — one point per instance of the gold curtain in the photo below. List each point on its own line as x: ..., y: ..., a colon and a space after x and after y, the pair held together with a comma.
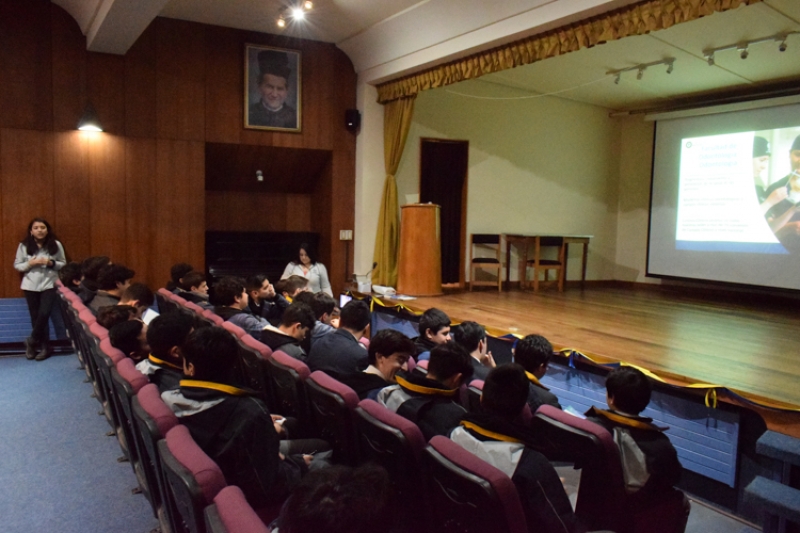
x: 636, y: 19
x: 396, y: 123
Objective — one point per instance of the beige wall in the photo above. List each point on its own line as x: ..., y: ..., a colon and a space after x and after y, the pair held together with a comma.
x: 545, y: 165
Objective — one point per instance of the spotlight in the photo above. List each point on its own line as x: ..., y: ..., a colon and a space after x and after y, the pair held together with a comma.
x: 743, y: 53
x: 298, y: 13
x: 281, y: 22
x: 617, y: 78
x: 710, y: 59
x: 782, y: 47
x: 670, y: 68
x: 640, y: 74
x: 308, y: 5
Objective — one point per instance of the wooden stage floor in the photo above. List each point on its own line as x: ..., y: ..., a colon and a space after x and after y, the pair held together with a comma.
x: 751, y: 348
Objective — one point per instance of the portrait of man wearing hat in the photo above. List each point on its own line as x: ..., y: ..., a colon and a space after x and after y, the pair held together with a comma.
x: 272, y: 109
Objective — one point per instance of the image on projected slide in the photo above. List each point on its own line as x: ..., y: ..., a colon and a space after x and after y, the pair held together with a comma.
x: 740, y: 192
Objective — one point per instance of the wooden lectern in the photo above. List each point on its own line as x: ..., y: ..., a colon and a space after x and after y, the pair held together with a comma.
x: 419, y: 269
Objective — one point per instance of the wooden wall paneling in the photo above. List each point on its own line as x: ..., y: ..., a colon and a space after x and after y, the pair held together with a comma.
x: 180, y: 82
x: 246, y: 211
x: 107, y: 196
x: 298, y: 212
x: 69, y: 70
x: 224, y: 61
x: 140, y: 209
x: 72, y: 192
x: 140, y: 86
x: 26, y: 91
x: 321, y: 208
x: 179, y: 205
x: 4, y: 272
x: 26, y: 182
x: 106, y: 89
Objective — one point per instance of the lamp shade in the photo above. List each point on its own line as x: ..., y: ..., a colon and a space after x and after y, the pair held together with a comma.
x: 89, y: 120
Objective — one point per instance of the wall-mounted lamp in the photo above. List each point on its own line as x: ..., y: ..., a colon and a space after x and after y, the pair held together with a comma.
x: 89, y: 120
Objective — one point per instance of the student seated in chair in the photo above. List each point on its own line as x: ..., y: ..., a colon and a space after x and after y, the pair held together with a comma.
x: 649, y: 461
x: 139, y: 296
x: 130, y: 337
x: 90, y: 268
x: 231, y: 299
x: 533, y: 353
x: 472, y: 337
x: 264, y: 301
x: 431, y: 401
x: 111, y: 281
x: 193, y: 288
x: 176, y: 273
x: 297, y: 321
x: 230, y: 425
x: 388, y: 353
x: 291, y: 286
x: 165, y: 336
x: 498, y: 435
x: 323, y: 306
x: 434, y: 329
x: 340, y: 352
x: 70, y: 275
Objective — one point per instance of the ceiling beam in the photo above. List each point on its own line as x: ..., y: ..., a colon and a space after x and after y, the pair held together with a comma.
x: 118, y: 23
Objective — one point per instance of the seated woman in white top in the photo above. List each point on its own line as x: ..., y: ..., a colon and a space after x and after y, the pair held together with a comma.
x: 306, y: 265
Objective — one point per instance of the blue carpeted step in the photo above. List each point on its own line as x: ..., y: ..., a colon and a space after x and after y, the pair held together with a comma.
x: 779, y: 446
x: 775, y: 498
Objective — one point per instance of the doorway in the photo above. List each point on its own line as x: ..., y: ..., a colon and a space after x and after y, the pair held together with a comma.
x: 443, y: 181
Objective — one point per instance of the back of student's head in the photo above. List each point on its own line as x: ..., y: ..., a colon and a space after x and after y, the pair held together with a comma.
x: 179, y: 270
x: 291, y: 285
x: 111, y: 315
x: 191, y: 280
x: 227, y: 289
x: 298, y: 312
x: 532, y: 352
x: 355, y: 315
x: 138, y: 292
x: 629, y: 388
x: 213, y: 353
x: 449, y: 359
x: 110, y: 275
x: 469, y: 334
x: 322, y: 303
x: 433, y: 319
x: 91, y: 266
x: 70, y: 274
x: 125, y: 337
x: 167, y: 331
x: 340, y: 499
x: 505, y: 390
x: 304, y: 297
x: 387, y: 342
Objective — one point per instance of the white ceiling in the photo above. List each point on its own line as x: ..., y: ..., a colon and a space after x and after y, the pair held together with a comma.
x: 386, y: 38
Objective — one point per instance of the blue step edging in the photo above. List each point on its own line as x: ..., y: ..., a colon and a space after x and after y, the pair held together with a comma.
x: 15, y: 322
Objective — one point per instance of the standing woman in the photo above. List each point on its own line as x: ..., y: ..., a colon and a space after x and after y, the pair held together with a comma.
x: 306, y: 265
x: 39, y: 257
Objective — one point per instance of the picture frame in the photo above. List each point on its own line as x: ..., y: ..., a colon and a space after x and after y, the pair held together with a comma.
x: 272, y: 88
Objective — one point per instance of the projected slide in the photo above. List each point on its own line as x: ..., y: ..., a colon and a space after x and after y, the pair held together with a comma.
x: 736, y: 195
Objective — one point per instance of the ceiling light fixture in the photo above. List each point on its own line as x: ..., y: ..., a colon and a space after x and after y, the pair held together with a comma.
x: 281, y: 22
x: 640, y: 68
x: 743, y: 47
x: 294, y: 12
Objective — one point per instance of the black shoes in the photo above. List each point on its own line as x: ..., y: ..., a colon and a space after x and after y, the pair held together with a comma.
x: 44, y: 353
x: 30, y: 349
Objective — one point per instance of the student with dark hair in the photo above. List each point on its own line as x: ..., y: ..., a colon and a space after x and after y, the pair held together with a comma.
x: 230, y: 424
x: 307, y: 267
x: 291, y: 286
x: 339, y: 499
x: 111, y: 281
x: 193, y: 288
x: 388, y: 353
x: 90, y: 268
x: 628, y: 392
x: 430, y: 401
x: 137, y: 295
x: 533, y: 353
x: 130, y: 337
x: 111, y: 315
x: 498, y: 435
x: 263, y: 301
x: 472, y: 337
x: 323, y: 306
x: 176, y: 272
x: 70, y: 275
x: 39, y: 258
x: 434, y: 329
x: 297, y: 321
x: 165, y: 335
x: 341, y: 352
x: 232, y: 301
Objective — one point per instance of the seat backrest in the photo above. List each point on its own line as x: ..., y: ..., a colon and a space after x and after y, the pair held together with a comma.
x: 196, y: 309
x: 331, y: 404
x: 238, y: 331
x: 127, y: 381
x: 193, y: 478
x: 98, y: 331
x: 213, y: 317
x: 466, y: 494
x: 286, y: 378
x: 87, y: 317
x: 253, y: 357
x: 474, y: 392
x: 485, y: 238
x: 231, y: 513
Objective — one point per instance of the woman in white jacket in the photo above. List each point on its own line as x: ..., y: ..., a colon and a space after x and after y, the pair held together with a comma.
x: 39, y: 258
x: 306, y: 265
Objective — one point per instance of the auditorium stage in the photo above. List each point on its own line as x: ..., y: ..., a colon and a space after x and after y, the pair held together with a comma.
x: 748, y: 346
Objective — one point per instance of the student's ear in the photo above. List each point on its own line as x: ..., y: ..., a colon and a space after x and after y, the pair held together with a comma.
x: 175, y: 352
x: 188, y: 368
x: 193, y: 288
x: 427, y: 334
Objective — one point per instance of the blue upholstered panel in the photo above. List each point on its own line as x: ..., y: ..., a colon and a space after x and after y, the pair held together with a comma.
x: 15, y: 321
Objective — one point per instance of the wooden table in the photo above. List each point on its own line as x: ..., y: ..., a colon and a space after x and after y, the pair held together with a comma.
x: 523, y: 242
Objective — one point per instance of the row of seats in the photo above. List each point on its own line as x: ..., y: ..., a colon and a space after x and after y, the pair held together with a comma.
x: 457, y: 488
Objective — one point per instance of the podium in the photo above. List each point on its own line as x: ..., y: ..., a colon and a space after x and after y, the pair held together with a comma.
x: 419, y: 269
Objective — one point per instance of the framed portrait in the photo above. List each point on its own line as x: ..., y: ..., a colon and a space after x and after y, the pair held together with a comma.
x: 272, y: 92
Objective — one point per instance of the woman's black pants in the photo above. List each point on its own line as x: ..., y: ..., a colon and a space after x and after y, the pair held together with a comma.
x: 40, y: 305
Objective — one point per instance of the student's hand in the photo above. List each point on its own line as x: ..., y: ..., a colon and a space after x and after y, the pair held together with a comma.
x: 335, y: 322
x: 308, y: 459
x: 277, y: 422
x: 488, y: 361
